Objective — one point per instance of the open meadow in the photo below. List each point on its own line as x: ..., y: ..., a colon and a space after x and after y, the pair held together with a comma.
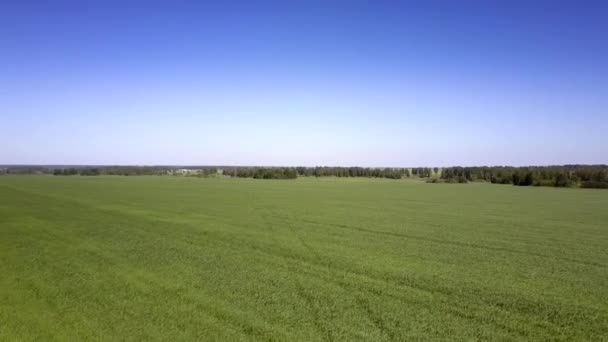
x: 179, y: 258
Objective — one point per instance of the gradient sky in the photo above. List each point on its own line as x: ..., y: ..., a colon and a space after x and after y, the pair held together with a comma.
x: 368, y: 83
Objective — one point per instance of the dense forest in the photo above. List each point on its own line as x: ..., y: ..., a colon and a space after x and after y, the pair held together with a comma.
x: 586, y: 176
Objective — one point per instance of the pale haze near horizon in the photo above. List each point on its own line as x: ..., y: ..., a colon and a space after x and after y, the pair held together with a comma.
x: 344, y: 84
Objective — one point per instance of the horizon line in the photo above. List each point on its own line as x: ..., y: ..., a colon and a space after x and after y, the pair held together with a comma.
x: 291, y: 166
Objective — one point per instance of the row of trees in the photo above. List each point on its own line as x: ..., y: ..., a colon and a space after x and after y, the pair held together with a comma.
x: 24, y: 170
x: 425, y: 172
x: 237, y: 171
x: 328, y: 171
x: 588, y: 176
x: 126, y: 171
x: 111, y: 170
x: 261, y: 172
x: 331, y: 171
x: 87, y: 170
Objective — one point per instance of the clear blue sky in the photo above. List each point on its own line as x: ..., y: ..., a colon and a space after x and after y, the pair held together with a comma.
x: 368, y: 83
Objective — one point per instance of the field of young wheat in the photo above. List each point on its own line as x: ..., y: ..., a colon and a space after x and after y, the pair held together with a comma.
x: 175, y: 258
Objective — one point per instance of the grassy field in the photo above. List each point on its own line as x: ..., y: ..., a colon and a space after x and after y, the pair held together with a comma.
x: 172, y: 258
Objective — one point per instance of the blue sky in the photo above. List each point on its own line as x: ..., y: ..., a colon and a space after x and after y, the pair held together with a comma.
x: 367, y: 83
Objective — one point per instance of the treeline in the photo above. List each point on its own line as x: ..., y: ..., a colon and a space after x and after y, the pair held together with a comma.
x: 68, y: 170
x: 231, y: 171
x: 586, y: 176
x: 320, y: 171
x: 112, y: 171
x: 328, y: 171
x: 24, y: 170
x: 261, y: 172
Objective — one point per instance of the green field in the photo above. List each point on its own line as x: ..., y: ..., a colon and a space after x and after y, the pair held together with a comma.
x: 175, y: 258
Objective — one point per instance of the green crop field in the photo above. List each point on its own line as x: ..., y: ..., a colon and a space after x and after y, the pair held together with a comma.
x: 176, y: 258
